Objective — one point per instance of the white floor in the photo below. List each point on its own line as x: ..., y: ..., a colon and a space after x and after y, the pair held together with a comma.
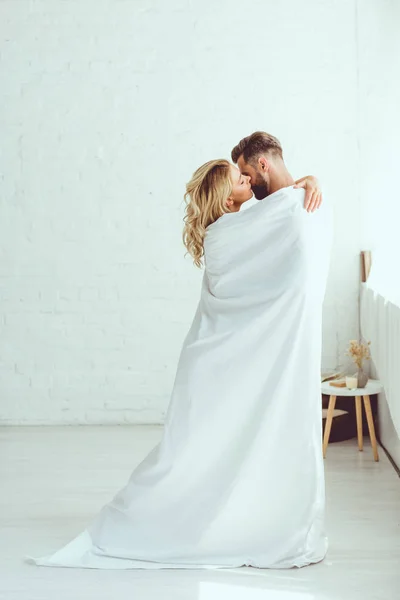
x: 54, y: 479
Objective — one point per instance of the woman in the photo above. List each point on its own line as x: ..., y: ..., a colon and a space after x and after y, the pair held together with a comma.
x: 237, y: 478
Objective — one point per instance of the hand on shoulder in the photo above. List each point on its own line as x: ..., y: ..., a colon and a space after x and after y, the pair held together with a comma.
x: 313, y: 195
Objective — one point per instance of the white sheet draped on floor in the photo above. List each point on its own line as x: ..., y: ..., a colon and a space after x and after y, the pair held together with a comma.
x: 237, y: 478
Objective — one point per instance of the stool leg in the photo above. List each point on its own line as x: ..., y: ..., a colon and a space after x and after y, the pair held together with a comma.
x: 328, y: 424
x: 359, y: 423
x: 370, y: 421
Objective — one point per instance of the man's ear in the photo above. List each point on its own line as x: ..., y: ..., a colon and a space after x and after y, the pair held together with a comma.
x: 263, y: 164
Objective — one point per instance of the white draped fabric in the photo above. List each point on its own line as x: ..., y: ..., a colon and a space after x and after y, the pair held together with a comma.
x: 238, y: 476
x: 380, y: 324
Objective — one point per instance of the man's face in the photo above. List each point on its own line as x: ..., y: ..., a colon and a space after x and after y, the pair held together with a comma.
x: 259, y: 180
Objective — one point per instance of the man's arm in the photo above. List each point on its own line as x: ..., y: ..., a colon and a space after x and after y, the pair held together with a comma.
x: 313, y: 197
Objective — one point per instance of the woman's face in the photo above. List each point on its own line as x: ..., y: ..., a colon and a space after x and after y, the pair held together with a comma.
x: 241, y: 189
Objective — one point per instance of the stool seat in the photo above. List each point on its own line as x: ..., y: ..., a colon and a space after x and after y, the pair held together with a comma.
x: 373, y: 387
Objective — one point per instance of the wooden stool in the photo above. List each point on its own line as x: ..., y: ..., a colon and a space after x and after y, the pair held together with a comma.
x: 373, y: 387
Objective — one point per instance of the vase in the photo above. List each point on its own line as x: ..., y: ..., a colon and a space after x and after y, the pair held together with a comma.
x: 362, y: 378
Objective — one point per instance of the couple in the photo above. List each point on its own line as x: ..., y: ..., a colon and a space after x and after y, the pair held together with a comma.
x: 237, y: 479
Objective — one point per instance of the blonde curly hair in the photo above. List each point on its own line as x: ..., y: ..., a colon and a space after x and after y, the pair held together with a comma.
x: 205, y: 197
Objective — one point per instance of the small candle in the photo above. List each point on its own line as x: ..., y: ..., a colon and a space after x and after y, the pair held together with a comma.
x: 351, y: 383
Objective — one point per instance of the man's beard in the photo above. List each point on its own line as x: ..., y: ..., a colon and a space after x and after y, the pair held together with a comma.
x: 260, y: 190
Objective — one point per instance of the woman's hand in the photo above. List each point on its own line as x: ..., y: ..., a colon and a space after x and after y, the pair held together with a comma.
x: 313, y: 197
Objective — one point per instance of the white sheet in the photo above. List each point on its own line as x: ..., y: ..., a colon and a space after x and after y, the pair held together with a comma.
x: 237, y: 478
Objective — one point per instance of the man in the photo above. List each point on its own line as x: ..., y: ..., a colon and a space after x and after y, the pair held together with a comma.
x: 260, y: 157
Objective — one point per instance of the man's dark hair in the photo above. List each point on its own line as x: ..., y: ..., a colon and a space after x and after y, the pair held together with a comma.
x: 256, y: 144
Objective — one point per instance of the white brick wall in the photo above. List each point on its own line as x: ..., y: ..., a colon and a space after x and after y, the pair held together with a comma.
x: 107, y: 107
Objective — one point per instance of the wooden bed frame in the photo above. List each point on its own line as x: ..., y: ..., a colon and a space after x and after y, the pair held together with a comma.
x: 366, y: 261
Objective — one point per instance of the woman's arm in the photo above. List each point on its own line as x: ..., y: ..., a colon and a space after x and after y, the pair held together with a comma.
x: 313, y: 197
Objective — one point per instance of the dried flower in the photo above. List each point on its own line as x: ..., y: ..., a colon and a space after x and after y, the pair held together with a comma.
x: 359, y: 352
